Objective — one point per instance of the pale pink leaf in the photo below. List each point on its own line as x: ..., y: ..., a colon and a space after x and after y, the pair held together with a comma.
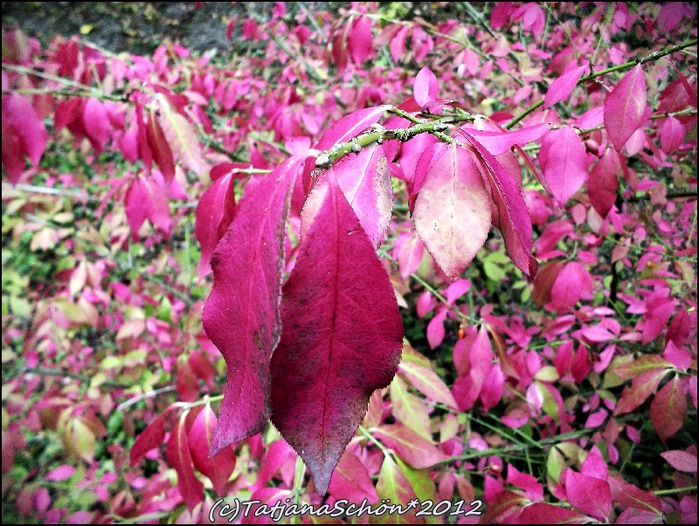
x: 427, y: 382
x: 342, y: 338
x: 561, y: 88
x: 626, y: 107
x: 452, y: 210
x: 563, y: 161
x: 241, y: 315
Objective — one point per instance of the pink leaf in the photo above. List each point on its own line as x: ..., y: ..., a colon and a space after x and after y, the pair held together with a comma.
x: 435, y: 329
x: 341, y: 340
x: 571, y: 284
x: 178, y: 456
x: 563, y: 161
x: 359, y: 39
x: 218, y: 468
x: 408, y: 251
x: 452, y: 210
x: 415, y: 450
x: 96, y: 123
x: 671, y: 134
x: 351, y: 481
x: 681, y: 460
x: 425, y: 88
x: 670, y: 16
x: 160, y: 149
x: 498, y: 142
x: 629, y: 495
x: 561, y: 88
x: 493, y: 388
x: 64, y: 472
x: 23, y: 133
x: 533, y: 490
x: 213, y: 217
x: 626, y: 107
x: 668, y: 409
x: 604, y: 182
x: 657, y: 315
x: 594, y: 465
x: 350, y: 126
x: 513, y: 216
x: 150, y: 438
x: 588, y: 494
x: 542, y: 513
x: 366, y: 183
x: 181, y: 137
x: 456, y: 290
x: 241, y: 315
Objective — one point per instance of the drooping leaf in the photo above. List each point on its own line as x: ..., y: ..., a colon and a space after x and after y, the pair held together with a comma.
x: 218, y: 468
x: 213, y: 217
x: 181, y: 136
x: 561, y: 88
x: 668, y: 409
x: 626, y: 107
x: 452, y: 210
x: 160, y: 148
x: 342, y: 338
x: 366, y: 183
x: 395, y: 486
x: 359, y: 39
x: 671, y: 134
x: 562, y: 159
x: 150, y: 438
x: 241, y: 315
x: 604, y: 182
x: 179, y: 457
x: 23, y: 133
x: 96, y: 123
x: 513, y: 215
x: 425, y: 89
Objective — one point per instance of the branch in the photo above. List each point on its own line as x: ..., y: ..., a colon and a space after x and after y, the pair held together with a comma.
x: 626, y: 65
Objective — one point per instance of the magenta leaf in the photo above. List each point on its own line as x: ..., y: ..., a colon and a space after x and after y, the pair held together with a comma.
x: 23, y: 133
x: 604, y: 182
x: 513, y: 216
x: 588, y: 494
x: 241, y: 315
x: 341, y: 339
x: 452, y: 210
x: 671, y: 134
x: 542, y: 513
x: 359, y: 39
x: 214, y: 215
x: 179, y: 457
x: 626, y: 107
x: 681, y: 460
x: 426, y: 87
x: 656, y: 317
x: 366, y: 183
x: 561, y: 88
x: 629, y: 495
x: 96, y: 123
x: 572, y: 283
x: 562, y: 159
x: 150, y: 438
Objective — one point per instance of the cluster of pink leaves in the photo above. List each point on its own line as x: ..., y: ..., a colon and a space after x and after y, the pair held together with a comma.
x: 309, y: 350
